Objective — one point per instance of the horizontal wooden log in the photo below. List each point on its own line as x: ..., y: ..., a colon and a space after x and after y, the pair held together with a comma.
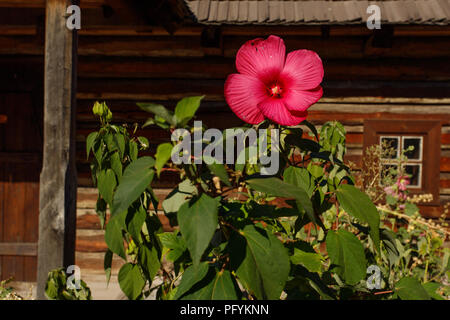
x: 342, y: 30
x: 347, y: 114
x: 219, y: 68
x: 94, y: 243
x: 87, y: 198
x: 336, y: 47
x: 26, y: 45
x: 18, y: 249
x: 20, y: 157
x: 135, y: 46
x: 88, y: 221
x: 444, y: 184
x: 92, y: 262
x: 41, y: 3
x: 332, y: 48
x: 21, y: 30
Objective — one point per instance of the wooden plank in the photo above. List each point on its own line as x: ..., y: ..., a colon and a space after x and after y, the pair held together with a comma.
x: 31, y: 225
x: 444, y: 184
x: 220, y: 68
x: 41, y: 3
x: 20, y: 157
x: 14, y: 217
x: 134, y: 46
x: 18, y: 248
x: 58, y: 183
x: 3, y: 182
x: 129, y: 42
x: 92, y: 262
x: 91, y: 244
x: 27, y: 45
x: 445, y: 164
x: 12, y: 30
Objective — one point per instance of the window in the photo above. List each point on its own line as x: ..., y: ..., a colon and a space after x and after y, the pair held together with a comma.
x: 410, y: 147
x: 418, y: 141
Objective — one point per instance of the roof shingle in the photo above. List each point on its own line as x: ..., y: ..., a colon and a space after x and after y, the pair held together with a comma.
x: 291, y: 12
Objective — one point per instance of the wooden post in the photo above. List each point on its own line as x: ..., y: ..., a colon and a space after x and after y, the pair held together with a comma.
x: 58, y: 182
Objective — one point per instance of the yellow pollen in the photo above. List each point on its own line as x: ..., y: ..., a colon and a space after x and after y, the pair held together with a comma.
x: 275, y: 90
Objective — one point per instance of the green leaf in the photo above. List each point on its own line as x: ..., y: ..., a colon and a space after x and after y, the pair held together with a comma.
x: 178, y: 196
x: 148, y: 122
x: 163, y: 154
x: 431, y: 288
x: 90, y: 142
x: 106, y: 182
x: 411, y: 208
x: 174, y: 244
x: 409, y: 288
x: 224, y: 288
x: 158, y: 110
x: 136, y: 178
x: 215, y: 286
x: 186, y: 109
x: 98, y: 151
x: 119, y: 140
x: 144, y: 142
x: 133, y: 147
x: 100, y: 209
x: 299, y: 177
x: 220, y: 171
x: 261, y: 262
x: 134, y: 221
x: 358, y: 204
x: 190, y: 277
x: 149, y: 260
x: 346, y: 252
x: 107, y: 263
x: 198, y: 222
x: 131, y: 281
x: 311, y: 261
x: 116, y: 165
x: 279, y: 188
x: 113, y: 234
x: 391, y: 200
x: 315, y: 170
x: 110, y: 142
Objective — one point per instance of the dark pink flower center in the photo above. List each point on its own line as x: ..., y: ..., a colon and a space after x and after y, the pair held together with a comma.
x: 275, y: 90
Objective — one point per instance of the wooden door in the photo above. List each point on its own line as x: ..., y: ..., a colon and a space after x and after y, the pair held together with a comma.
x: 20, y: 165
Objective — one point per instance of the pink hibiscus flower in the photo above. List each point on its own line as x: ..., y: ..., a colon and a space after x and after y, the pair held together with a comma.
x: 271, y: 85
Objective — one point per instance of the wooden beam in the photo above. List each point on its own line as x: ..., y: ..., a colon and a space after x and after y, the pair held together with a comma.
x: 41, y: 3
x: 58, y: 181
x: 19, y: 157
x: 18, y: 249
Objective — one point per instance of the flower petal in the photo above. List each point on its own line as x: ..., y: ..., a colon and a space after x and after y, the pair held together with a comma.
x: 275, y: 110
x: 263, y: 59
x: 301, y: 100
x: 303, y: 69
x: 243, y: 93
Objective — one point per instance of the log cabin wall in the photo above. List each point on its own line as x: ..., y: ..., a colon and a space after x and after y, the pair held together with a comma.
x: 402, y: 73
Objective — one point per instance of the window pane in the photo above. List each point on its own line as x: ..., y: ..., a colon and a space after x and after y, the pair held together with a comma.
x: 415, y: 143
x: 413, y: 171
x: 389, y: 147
